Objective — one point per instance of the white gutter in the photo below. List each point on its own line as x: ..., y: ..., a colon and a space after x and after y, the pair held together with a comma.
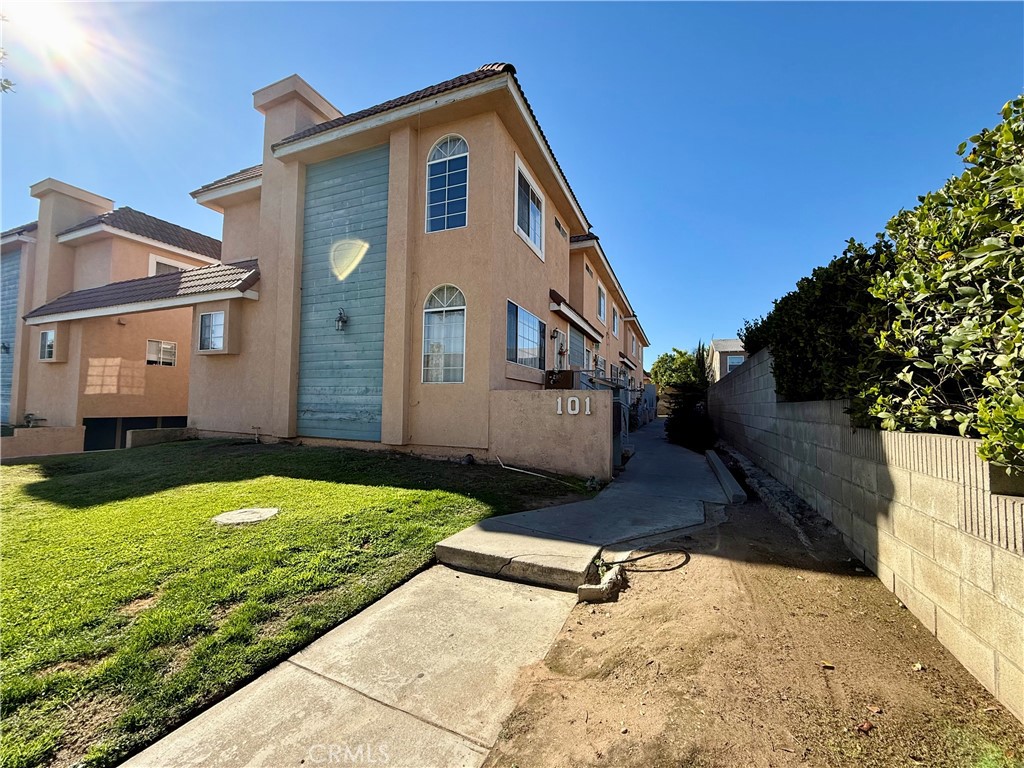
x: 627, y: 362
x: 576, y: 319
x: 16, y: 239
x: 78, y: 234
x: 187, y: 300
x: 211, y: 195
x: 391, y: 116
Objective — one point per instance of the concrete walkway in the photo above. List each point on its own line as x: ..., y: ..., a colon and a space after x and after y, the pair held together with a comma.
x: 663, y: 488
x: 421, y: 678
x: 424, y: 677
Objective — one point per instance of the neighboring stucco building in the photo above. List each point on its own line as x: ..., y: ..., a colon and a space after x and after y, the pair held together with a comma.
x: 726, y: 356
x: 105, y: 372
x: 401, y: 273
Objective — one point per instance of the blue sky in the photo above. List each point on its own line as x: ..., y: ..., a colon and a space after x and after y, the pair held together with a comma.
x: 720, y: 150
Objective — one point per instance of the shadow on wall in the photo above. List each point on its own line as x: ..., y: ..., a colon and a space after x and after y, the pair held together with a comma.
x: 918, y: 509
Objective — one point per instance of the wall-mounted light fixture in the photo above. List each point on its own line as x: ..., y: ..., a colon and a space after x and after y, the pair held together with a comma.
x: 5, y: 348
x: 554, y: 333
x: 341, y: 320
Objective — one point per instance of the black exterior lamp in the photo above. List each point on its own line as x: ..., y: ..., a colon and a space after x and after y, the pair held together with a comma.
x: 341, y: 320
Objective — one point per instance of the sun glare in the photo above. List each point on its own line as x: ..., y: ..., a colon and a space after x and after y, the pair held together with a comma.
x: 49, y: 31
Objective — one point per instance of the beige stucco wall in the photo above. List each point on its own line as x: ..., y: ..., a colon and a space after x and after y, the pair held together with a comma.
x: 240, y: 231
x: 42, y: 441
x: 528, y: 431
x: 917, y: 509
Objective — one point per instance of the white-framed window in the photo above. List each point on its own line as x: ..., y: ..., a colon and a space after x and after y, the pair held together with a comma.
x: 447, y: 184
x: 588, y: 360
x: 632, y: 341
x: 47, y: 345
x: 444, y: 336
x: 599, y: 365
x: 614, y: 372
x: 590, y: 272
x: 525, y: 337
x: 615, y: 322
x: 161, y: 352
x: 602, y: 302
x: 733, y: 362
x: 211, y: 331
x: 529, y: 221
x: 162, y: 265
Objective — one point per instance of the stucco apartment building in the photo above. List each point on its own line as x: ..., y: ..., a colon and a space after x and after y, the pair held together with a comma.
x: 391, y: 270
x: 104, y: 373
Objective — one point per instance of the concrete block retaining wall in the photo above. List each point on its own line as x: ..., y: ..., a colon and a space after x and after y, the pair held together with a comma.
x: 918, y: 510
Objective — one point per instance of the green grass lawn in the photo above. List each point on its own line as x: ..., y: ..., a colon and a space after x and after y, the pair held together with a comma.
x: 125, y: 609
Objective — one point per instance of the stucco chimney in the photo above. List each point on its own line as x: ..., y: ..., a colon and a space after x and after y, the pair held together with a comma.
x: 61, y: 206
x: 289, y: 106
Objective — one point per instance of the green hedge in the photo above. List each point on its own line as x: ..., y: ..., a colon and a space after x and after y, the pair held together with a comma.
x: 922, y: 330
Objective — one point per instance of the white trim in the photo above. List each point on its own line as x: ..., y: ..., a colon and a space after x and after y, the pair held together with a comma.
x: 616, y: 321
x: 52, y: 344
x: 208, y: 196
x: 154, y: 259
x: 602, y: 313
x: 543, y: 145
x: 426, y: 187
x: 627, y: 362
x: 160, y: 363
x: 543, y: 337
x: 17, y: 239
x: 223, y: 331
x: 536, y: 188
x: 425, y: 105
x: 465, y: 328
x: 78, y: 234
x: 576, y: 319
x: 144, y: 306
x: 391, y: 116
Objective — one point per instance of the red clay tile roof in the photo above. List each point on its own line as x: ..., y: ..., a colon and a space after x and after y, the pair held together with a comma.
x: 191, y: 282
x: 138, y: 223
x: 583, y: 238
x: 484, y: 72
x: 23, y: 229
x: 253, y: 172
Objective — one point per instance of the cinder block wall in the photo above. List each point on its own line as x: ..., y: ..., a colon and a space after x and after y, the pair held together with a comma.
x: 917, y: 509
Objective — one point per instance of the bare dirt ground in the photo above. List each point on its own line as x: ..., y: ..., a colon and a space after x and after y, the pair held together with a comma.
x: 757, y: 652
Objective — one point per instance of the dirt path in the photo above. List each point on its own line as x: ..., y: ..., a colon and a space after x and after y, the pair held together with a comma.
x: 726, y: 661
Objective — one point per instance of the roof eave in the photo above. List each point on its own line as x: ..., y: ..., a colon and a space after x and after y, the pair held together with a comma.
x: 153, y: 305
x: 79, y: 235
x: 216, y: 197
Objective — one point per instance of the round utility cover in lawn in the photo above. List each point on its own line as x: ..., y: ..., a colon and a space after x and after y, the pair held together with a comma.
x: 250, y: 515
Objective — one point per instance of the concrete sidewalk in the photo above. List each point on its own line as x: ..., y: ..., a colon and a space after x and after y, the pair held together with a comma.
x: 662, y: 489
x: 422, y: 678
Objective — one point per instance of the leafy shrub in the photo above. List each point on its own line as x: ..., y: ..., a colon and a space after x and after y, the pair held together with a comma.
x: 947, y: 322
x: 688, y: 423
x: 923, y: 329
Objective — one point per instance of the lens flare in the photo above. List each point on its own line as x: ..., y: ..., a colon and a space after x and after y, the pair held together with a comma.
x: 346, y: 255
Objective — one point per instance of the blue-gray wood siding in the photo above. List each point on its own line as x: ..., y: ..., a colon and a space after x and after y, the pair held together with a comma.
x: 10, y: 271
x: 341, y: 373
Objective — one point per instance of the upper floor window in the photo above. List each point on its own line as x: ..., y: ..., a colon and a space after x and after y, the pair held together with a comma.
x: 161, y: 265
x: 602, y: 302
x: 47, y: 345
x: 161, y: 352
x: 211, y: 331
x: 525, y: 337
x: 632, y: 339
x: 444, y: 336
x: 733, y: 362
x: 529, y: 211
x: 615, y: 322
x: 447, y: 184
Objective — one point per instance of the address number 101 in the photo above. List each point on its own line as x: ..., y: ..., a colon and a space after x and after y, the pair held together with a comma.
x: 572, y: 406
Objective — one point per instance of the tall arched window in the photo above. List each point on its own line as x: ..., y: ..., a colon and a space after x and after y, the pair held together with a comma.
x: 444, y: 336
x: 447, y: 188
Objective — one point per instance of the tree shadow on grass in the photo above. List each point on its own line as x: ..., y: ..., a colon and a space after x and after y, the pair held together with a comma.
x: 88, y: 480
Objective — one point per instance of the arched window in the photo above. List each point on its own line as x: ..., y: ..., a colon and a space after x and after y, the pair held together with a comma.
x: 447, y: 189
x: 444, y: 336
